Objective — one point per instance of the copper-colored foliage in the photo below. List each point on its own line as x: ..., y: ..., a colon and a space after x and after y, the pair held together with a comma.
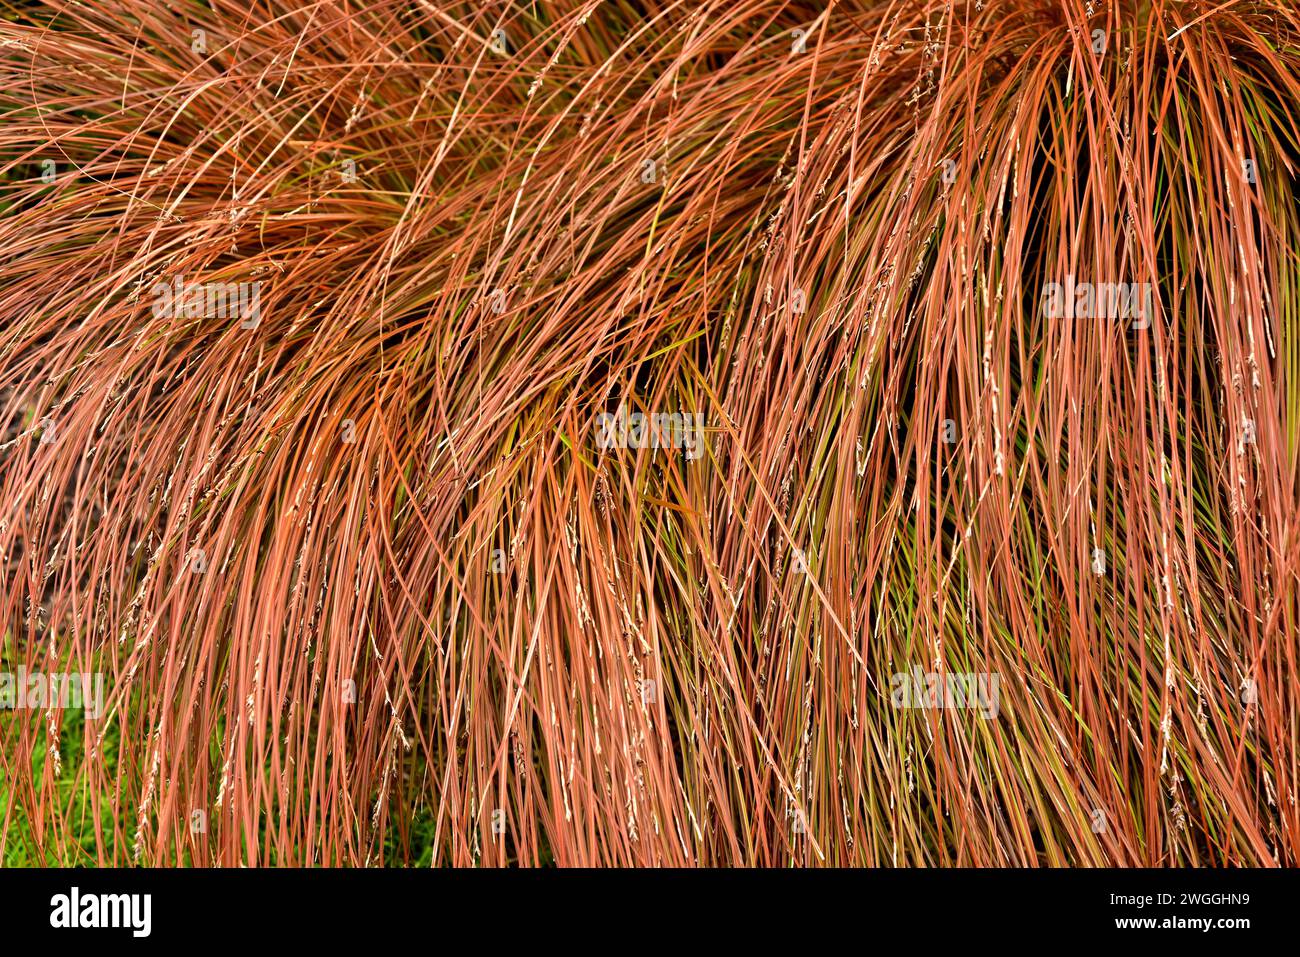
x: 365, y: 589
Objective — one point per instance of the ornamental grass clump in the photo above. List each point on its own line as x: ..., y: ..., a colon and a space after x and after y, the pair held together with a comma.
x: 340, y: 350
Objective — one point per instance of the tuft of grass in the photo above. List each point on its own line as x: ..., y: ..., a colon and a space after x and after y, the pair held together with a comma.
x: 366, y: 589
